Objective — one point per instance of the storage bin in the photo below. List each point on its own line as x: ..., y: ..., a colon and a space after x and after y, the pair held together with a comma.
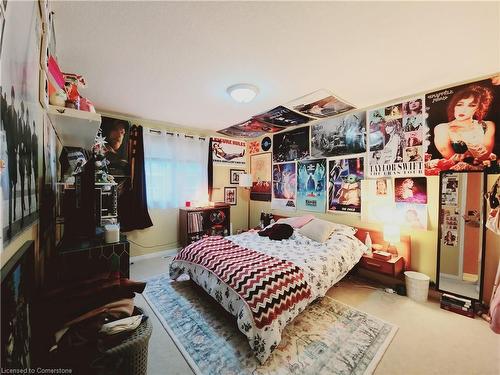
x: 417, y: 285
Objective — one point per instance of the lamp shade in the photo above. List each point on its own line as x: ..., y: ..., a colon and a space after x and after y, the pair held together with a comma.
x: 245, y: 180
x: 392, y: 233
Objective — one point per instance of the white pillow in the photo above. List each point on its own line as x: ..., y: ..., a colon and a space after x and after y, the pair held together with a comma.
x: 320, y: 230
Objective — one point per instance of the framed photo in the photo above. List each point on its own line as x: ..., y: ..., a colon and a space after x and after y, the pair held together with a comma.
x: 230, y: 196
x: 234, y: 175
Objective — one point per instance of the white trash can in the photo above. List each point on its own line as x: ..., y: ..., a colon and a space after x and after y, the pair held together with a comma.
x: 417, y: 285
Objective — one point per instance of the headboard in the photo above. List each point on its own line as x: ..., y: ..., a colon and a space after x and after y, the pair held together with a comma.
x: 403, y: 247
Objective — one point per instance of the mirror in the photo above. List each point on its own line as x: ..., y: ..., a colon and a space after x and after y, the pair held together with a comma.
x: 461, y: 232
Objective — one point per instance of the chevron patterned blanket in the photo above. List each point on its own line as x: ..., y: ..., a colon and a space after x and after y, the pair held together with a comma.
x: 268, y: 285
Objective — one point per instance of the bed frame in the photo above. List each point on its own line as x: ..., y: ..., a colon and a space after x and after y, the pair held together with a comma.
x: 403, y: 247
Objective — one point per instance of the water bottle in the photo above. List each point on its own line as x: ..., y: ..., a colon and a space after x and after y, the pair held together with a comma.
x: 368, y: 243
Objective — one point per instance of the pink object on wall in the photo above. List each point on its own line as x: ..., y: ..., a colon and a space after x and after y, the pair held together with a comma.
x: 55, y: 75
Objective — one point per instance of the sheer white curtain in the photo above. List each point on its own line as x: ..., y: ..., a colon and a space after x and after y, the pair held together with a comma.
x: 176, y: 168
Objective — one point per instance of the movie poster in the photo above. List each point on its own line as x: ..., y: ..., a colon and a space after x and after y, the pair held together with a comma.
x: 228, y: 151
x: 343, y: 135
x: 344, y: 184
x: 282, y: 116
x: 320, y: 104
x: 410, y: 190
x: 260, y: 169
x: 21, y: 128
x: 284, y: 186
x: 411, y: 215
x: 395, y: 135
x: 116, y: 133
x: 463, y: 124
x: 292, y: 145
x: 249, y: 129
x: 311, y: 185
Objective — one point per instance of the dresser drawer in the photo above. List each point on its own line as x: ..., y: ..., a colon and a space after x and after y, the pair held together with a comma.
x: 391, y: 267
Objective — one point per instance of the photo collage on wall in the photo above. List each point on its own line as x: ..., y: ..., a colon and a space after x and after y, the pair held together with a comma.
x: 395, y: 138
x: 451, y: 214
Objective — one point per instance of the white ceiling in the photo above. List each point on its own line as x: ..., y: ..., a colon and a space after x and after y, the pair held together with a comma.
x: 173, y: 61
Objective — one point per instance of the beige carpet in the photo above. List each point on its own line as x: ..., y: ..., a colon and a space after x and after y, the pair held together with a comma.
x: 429, y: 340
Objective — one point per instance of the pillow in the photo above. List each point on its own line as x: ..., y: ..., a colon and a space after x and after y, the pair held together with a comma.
x: 297, y: 222
x: 320, y: 230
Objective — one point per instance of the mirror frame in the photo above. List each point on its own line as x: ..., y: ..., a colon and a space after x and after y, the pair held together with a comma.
x: 483, y: 238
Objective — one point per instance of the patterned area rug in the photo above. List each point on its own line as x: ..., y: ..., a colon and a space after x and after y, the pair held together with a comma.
x: 327, y: 338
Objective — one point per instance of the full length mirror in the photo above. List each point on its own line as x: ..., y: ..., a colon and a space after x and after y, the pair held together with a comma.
x: 460, y: 255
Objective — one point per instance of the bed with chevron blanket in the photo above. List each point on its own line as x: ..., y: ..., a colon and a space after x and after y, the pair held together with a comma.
x: 266, y: 283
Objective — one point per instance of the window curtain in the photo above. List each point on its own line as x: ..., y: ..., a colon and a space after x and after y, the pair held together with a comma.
x: 176, y: 169
x: 133, y: 204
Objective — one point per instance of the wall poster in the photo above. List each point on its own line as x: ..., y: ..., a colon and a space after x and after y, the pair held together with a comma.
x: 260, y: 169
x: 395, y: 139
x: 311, y: 185
x: 291, y: 145
x: 463, y: 123
x: 320, y: 104
x: 411, y: 215
x: 378, y: 200
x: 343, y: 135
x: 228, y: 151
x: 344, y: 184
x: 282, y: 116
x: 284, y: 186
x: 21, y: 118
x: 116, y: 133
x: 410, y: 190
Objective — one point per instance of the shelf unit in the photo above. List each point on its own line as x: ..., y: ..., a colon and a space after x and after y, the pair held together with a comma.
x: 74, y: 128
x: 216, y: 221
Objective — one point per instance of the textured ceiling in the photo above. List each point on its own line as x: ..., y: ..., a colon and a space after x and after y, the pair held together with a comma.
x: 173, y: 61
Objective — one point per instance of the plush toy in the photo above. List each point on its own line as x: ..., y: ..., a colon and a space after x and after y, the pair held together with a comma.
x: 71, y: 84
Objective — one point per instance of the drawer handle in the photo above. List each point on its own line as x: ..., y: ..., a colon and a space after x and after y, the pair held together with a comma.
x: 374, y: 264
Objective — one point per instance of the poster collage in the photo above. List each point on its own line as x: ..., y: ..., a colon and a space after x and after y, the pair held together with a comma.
x: 381, y: 156
x: 451, y: 213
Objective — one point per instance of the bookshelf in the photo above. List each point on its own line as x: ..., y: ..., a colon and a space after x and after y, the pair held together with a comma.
x: 196, y: 222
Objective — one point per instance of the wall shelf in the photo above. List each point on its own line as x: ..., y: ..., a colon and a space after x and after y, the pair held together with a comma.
x: 74, y: 127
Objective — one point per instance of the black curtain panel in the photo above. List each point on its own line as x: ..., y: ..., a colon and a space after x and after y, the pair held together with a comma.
x: 210, y: 170
x: 132, y: 205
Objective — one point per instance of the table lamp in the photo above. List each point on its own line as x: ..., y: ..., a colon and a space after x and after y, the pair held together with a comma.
x: 392, y: 235
x: 246, y: 181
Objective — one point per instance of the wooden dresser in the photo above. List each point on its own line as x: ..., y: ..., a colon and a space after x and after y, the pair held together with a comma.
x: 196, y: 222
x: 392, y: 267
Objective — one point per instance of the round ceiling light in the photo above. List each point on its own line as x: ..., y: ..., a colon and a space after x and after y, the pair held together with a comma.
x: 243, y: 92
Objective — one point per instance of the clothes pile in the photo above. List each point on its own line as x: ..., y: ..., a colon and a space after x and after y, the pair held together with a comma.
x: 84, y: 319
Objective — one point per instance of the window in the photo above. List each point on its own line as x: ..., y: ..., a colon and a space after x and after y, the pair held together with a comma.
x: 176, y: 169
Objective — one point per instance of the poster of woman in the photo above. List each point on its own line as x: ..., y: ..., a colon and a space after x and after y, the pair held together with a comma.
x: 311, y: 185
x: 410, y: 190
x: 284, y: 186
x: 462, y: 123
x: 344, y: 184
x: 395, y: 139
x: 411, y: 215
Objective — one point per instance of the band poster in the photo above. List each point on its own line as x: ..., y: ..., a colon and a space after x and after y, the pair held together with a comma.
x: 395, y: 138
x: 343, y: 135
x: 311, y: 185
x: 344, y: 184
x: 284, y: 186
x: 228, y: 151
x: 462, y: 123
x: 260, y: 169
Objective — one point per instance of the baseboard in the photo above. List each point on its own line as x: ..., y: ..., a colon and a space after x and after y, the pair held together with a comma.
x: 156, y: 254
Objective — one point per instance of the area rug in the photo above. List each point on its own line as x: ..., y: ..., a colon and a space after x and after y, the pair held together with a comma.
x: 326, y: 338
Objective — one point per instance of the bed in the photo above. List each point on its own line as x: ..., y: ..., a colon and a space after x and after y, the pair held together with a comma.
x: 310, y: 268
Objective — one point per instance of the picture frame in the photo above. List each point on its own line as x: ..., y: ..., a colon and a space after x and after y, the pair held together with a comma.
x: 234, y: 176
x: 230, y: 196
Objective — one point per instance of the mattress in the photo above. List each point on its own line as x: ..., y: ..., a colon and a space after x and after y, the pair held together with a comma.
x: 322, y: 264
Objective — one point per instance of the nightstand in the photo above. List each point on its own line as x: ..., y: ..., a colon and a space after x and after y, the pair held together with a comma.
x: 392, y: 267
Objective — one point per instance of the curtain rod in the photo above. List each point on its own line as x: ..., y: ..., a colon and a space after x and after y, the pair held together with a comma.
x: 177, y: 134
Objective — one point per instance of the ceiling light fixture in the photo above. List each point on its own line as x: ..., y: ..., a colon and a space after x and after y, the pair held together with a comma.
x: 243, y: 92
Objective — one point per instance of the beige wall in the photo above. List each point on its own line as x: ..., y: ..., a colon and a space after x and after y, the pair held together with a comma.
x: 492, y: 252
x: 164, y: 234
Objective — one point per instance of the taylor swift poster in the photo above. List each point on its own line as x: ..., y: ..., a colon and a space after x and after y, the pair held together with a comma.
x: 21, y: 118
x: 291, y: 145
x: 395, y: 139
x: 284, y: 186
x: 343, y: 135
x: 344, y: 184
x: 462, y: 124
x: 311, y: 185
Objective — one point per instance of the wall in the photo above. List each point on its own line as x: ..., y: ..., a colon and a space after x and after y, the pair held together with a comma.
x: 492, y: 252
x: 164, y: 234
x: 472, y: 233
